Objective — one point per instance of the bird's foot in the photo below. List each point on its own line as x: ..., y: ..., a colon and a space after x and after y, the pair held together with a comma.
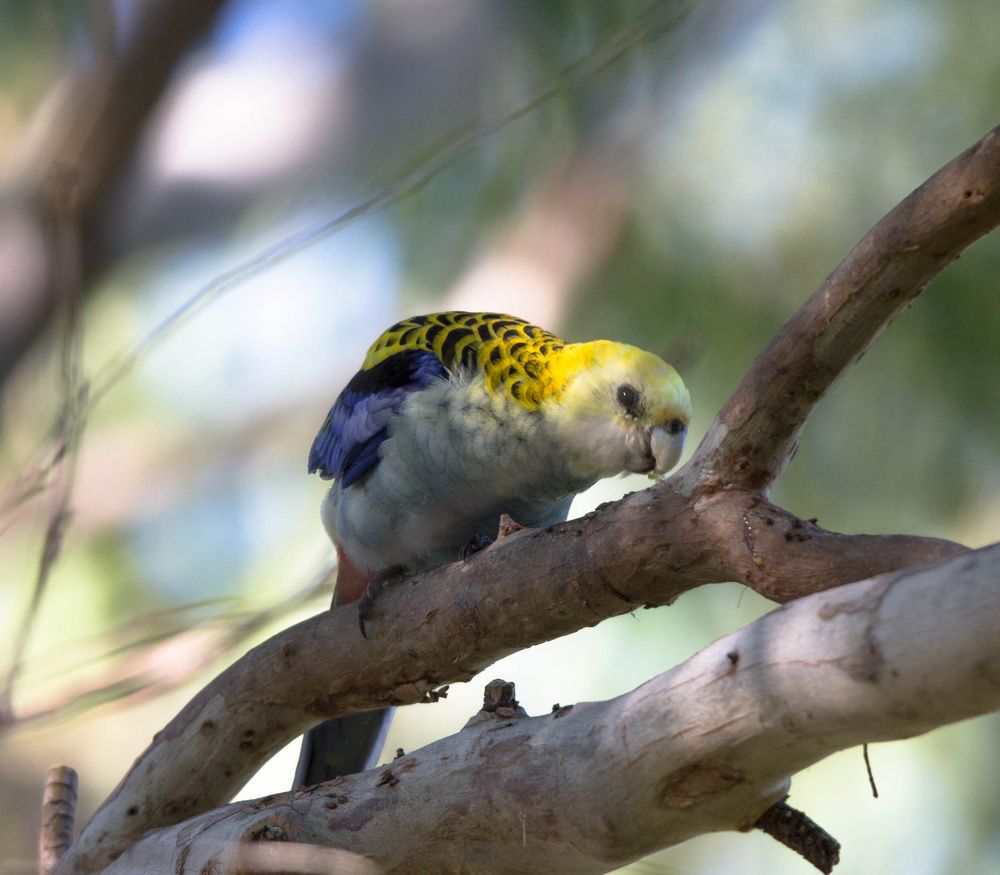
x: 373, y: 591
x: 475, y: 545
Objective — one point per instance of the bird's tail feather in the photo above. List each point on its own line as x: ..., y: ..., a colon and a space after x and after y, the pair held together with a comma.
x: 342, y: 746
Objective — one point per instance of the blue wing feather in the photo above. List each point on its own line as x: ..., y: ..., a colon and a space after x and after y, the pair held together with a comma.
x: 347, y: 446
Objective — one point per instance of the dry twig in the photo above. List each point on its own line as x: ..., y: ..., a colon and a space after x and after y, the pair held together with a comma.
x: 66, y: 254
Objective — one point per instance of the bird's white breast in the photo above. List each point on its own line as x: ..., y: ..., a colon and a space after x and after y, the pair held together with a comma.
x: 456, y: 457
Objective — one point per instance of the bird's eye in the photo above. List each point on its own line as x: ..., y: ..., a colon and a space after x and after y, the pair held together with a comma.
x: 629, y: 398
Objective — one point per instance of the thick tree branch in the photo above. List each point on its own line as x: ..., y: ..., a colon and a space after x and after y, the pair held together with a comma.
x: 706, y: 746
x: 709, y: 523
x: 533, y: 586
x: 450, y: 623
x: 756, y: 431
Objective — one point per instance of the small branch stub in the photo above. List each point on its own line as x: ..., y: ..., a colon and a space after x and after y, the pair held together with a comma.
x: 499, y: 699
x: 795, y: 830
x: 432, y: 696
x: 58, y: 814
x: 499, y: 702
x: 508, y: 525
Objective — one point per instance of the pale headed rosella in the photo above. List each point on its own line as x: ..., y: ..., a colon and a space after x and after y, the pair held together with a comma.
x: 454, y: 419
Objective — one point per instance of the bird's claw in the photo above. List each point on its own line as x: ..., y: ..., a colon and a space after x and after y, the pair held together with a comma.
x: 365, y: 609
x: 372, y: 592
x: 475, y: 545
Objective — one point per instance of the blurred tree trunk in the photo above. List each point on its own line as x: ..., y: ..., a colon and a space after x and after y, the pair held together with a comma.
x: 100, y: 112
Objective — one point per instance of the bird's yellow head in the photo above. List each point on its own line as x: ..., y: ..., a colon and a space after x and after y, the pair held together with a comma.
x: 614, y: 407
x: 620, y: 408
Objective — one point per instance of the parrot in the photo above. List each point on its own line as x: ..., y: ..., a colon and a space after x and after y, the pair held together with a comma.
x: 454, y: 419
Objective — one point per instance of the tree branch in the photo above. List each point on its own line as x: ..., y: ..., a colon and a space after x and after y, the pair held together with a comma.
x: 709, y: 745
x: 755, y: 433
x: 451, y: 622
x: 533, y: 586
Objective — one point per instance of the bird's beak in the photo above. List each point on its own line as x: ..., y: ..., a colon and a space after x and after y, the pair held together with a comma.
x: 667, y: 443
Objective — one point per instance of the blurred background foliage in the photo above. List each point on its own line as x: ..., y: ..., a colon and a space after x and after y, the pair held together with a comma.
x: 686, y: 198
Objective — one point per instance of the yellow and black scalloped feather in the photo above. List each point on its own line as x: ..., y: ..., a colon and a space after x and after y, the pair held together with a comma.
x: 511, y: 352
x: 515, y: 357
